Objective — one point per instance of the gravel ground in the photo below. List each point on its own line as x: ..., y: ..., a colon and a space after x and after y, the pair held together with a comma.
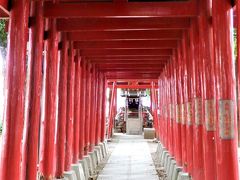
x: 160, y: 170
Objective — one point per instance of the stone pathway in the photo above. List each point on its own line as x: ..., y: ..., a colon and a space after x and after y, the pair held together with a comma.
x: 130, y: 160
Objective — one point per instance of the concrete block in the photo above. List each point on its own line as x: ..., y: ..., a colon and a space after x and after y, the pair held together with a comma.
x: 169, y: 164
x: 161, y: 154
x: 93, y: 159
x: 164, y: 154
x: 149, y: 133
x: 183, y: 176
x: 97, y: 157
x: 89, y: 164
x: 158, y: 153
x: 106, y: 146
x: 176, y: 171
x: 83, y: 162
x: 70, y: 175
x: 78, y: 169
x: 99, y: 153
x: 171, y: 169
x: 166, y: 161
x: 104, y: 153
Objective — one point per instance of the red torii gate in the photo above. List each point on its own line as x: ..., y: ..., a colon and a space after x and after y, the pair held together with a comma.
x: 186, y: 45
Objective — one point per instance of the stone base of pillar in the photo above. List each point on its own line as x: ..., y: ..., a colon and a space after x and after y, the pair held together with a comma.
x: 183, y: 176
x: 84, y: 164
x: 99, y: 154
x: 104, y: 154
x: 106, y: 146
x: 89, y: 164
x: 93, y: 159
x: 176, y: 171
x: 70, y: 175
x: 170, y: 165
x: 78, y: 169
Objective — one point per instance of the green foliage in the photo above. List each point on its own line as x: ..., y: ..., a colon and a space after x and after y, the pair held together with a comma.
x: 3, y: 34
x: 1, y: 128
x: 235, y: 42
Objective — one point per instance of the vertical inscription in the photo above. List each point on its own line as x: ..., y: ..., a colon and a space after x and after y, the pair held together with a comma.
x: 198, y: 111
x: 210, y: 114
x: 226, y: 119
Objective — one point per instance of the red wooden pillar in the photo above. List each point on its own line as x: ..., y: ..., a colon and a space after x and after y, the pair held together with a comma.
x: 103, y: 118
x: 189, y: 120
x: 173, y: 104
x: 154, y: 107
x: 99, y: 109
x: 77, y: 97
x: 168, y: 101
x: 151, y: 104
x: 10, y: 155
x: 209, y: 91
x: 165, y: 111
x: 238, y: 64
x: 30, y: 138
x: 179, y: 110
x: 62, y: 109
x: 88, y: 108
x: 47, y: 147
x: 70, y: 109
x: 226, y: 129
x: 184, y: 105
x: 93, y: 110
x: 111, y: 110
x: 82, y: 110
x: 198, y: 165
x: 160, y: 109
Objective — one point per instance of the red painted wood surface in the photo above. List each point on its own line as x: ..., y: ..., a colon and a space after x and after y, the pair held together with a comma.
x: 124, y: 24
x: 125, y: 35
x: 14, y: 100
x: 184, y: 105
x: 198, y: 163
x: 82, y: 110
x: 100, y: 110
x: 189, y: 120
x: 62, y: 109
x: 103, y: 119
x: 179, y: 110
x: 70, y: 109
x: 135, y: 9
x: 93, y: 110
x: 88, y: 109
x: 31, y: 139
x: 209, y: 91
x: 237, y: 22
x: 4, y: 9
x: 226, y: 129
x: 47, y: 147
x: 111, y: 110
x: 77, y: 98
x: 130, y: 44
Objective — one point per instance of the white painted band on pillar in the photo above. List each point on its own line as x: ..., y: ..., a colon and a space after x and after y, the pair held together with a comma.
x: 189, y: 114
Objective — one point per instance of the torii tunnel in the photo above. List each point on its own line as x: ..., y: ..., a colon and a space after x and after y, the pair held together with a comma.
x: 63, y: 55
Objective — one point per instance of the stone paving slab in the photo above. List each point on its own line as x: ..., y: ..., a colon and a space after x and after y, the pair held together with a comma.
x: 130, y: 160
